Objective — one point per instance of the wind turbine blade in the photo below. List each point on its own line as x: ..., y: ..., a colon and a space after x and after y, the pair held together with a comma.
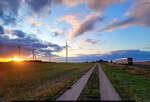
x: 70, y: 47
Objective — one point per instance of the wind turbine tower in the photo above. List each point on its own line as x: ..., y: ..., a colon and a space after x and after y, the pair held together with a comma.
x: 33, y: 53
x: 66, y: 52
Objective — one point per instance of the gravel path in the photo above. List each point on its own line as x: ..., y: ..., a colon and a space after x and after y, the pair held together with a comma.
x: 74, y: 92
x: 107, y: 91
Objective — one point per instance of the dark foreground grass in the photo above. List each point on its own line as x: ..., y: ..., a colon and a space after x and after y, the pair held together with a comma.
x: 38, y: 81
x: 91, y: 90
x: 129, y: 86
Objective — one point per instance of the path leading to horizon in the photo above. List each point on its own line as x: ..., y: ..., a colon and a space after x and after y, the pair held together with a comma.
x: 74, y: 92
x: 107, y: 91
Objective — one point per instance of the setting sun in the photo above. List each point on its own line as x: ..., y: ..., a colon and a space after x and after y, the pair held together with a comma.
x: 16, y: 59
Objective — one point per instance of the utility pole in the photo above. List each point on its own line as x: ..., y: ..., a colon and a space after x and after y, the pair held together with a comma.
x: 49, y: 57
x: 19, y: 50
x: 66, y: 52
x: 33, y: 53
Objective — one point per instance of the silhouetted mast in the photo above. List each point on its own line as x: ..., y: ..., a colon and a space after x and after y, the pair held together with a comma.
x: 19, y: 51
x: 33, y: 53
x: 66, y: 52
x: 49, y: 57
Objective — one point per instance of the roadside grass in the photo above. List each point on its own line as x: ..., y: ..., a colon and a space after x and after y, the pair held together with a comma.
x: 38, y: 81
x: 145, y: 65
x: 141, y: 66
x: 129, y: 86
x: 91, y: 90
x: 136, y: 68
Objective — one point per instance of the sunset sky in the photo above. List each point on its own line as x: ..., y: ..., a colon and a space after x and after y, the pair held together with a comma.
x: 94, y: 29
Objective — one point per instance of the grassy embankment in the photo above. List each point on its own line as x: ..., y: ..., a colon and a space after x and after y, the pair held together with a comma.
x: 38, y: 81
x: 91, y: 90
x: 142, y: 69
x: 129, y: 86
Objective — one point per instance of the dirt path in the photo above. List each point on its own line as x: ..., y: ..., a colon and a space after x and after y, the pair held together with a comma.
x: 76, y: 89
x: 106, y: 89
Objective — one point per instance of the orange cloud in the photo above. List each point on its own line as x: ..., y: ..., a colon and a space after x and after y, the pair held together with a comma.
x: 34, y: 23
x: 37, y: 24
x: 138, y: 14
x: 90, y: 41
x: 95, y: 5
x: 79, y: 27
x: 86, y: 26
x: 57, y: 31
x: 71, y: 19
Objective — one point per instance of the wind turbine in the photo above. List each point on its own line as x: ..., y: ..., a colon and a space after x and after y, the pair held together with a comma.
x: 34, y: 53
x: 67, y: 52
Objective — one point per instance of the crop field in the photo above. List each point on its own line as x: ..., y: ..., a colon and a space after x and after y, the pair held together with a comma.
x: 38, y: 81
x: 130, y: 86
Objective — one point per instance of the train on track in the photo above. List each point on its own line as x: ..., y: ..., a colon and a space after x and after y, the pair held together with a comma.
x: 127, y: 60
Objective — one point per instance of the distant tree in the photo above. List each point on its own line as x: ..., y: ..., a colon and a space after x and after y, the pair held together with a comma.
x: 100, y: 60
x: 105, y: 61
x: 86, y: 62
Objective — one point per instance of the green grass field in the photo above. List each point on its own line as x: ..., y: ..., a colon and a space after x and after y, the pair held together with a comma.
x: 91, y: 90
x: 129, y: 86
x: 38, y: 81
x: 140, y: 68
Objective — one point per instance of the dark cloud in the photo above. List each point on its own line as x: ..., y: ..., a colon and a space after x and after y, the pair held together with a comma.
x: 8, y: 20
x: 137, y: 55
x: 19, y: 33
x: 116, y: 25
x: 138, y: 15
x: 11, y: 5
x: 9, y: 10
x: 94, y: 5
x: 99, y: 5
x: 86, y: 26
x: 49, y: 55
x: 1, y: 30
x: 90, y: 41
x: 46, y: 50
x: 55, y: 34
x: 39, y: 6
x: 58, y: 2
x: 8, y: 47
x: 58, y: 33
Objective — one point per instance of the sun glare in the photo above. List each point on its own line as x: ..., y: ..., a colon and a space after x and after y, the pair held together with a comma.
x: 16, y: 59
